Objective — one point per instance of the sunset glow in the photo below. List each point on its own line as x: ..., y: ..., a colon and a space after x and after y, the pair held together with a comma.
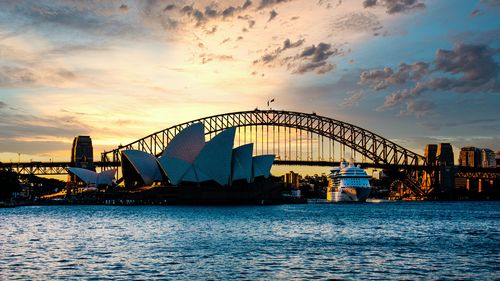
x: 120, y: 70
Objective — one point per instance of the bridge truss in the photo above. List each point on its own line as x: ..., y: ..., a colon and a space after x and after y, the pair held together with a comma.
x: 291, y: 136
x: 48, y: 168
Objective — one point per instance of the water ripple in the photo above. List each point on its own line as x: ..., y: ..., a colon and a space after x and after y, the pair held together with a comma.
x: 408, y: 240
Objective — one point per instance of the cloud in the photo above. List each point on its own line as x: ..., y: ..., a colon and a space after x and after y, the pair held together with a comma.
x: 436, y: 125
x: 88, y: 18
x: 210, y: 12
x: 475, y: 62
x: 353, y: 98
x: 395, y: 6
x: 475, y: 13
x: 194, y: 13
x: 16, y: 76
x: 212, y: 30
x: 311, y: 59
x: 169, y: 7
x: 229, y: 11
x: 418, y: 107
x: 205, y: 58
x: 269, y: 3
x: 272, y: 15
x: 2, y: 105
x: 314, y: 58
x: 287, y: 44
x: 465, y: 69
x: 21, y: 76
x: 491, y: 3
x: 318, y: 67
x: 380, y: 79
x: 357, y: 22
x: 477, y: 38
x: 14, y: 126
x: 369, y: 3
x: 247, y: 4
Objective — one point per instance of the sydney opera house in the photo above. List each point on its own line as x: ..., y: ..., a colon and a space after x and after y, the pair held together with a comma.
x: 191, y: 171
x: 93, y: 179
x: 189, y: 160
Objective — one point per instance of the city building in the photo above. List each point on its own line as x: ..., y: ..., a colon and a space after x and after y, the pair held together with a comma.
x: 430, y: 153
x: 470, y: 157
x: 488, y: 158
x: 445, y: 159
x: 292, y: 180
x: 428, y: 178
x: 188, y: 159
x: 497, y: 158
x: 82, y: 153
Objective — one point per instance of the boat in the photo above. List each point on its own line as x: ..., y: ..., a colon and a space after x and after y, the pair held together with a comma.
x: 348, y: 183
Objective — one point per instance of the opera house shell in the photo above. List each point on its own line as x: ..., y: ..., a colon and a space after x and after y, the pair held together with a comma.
x: 91, y: 178
x: 188, y: 159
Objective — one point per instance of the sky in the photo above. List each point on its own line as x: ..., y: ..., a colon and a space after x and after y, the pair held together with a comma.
x: 413, y: 71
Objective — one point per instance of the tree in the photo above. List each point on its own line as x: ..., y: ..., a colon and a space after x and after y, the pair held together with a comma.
x: 8, y: 185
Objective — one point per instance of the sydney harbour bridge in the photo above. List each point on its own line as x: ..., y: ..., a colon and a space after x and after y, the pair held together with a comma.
x: 295, y: 138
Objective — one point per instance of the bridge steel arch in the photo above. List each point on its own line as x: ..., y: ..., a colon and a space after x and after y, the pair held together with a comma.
x: 371, y: 145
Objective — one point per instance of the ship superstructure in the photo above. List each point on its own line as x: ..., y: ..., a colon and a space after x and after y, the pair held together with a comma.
x: 348, y: 183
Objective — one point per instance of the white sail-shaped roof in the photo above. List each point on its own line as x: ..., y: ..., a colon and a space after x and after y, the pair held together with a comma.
x: 106, y: 177
x: 242, y: 163
x: 88, y: 176
x: 85, y: 175
x: 262, y: 165
x: 174, y: 168
x: 195, y: 175
x: 187, y: 144
x: 145, y: 165
x: 215, y: 158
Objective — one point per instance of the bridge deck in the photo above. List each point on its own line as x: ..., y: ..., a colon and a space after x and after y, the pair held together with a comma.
x: 59, y: 168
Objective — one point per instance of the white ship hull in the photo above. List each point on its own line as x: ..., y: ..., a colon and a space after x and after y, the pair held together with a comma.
x: 349, y: 194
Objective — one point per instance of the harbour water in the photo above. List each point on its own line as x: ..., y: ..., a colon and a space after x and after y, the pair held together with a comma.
x: 395, y: 240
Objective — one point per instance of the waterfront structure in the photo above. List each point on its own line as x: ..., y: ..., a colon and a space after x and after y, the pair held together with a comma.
x: 430, y: 153
x: 488, y: 158
x: 474, y: 157
x: 292, y: 180
x: 139, y: 168
x: 82, y: 153
x: 93, y: 179
x: 429, y: 177
x: 445, y: 160
x: 439, y: 155
x: 188, y: 159
x: 470, y: 156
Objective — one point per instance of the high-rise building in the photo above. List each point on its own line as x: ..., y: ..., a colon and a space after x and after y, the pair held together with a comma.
x: 497, y: 158
x: 429, y: 178
x: 444, y: 159
x: 487, y: 158
x: 292, y: 180
x: 430, y: 153
x: 444, y: 155
x: 82, y: 154
x: 470, y: 157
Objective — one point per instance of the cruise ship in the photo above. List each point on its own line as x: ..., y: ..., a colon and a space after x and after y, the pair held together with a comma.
x: 348, y: 183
